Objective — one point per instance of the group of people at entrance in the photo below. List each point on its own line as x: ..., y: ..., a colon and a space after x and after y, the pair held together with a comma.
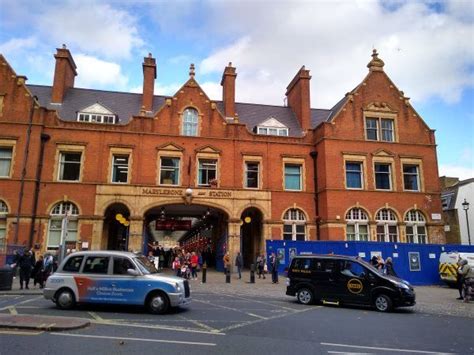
x: 261, y: 265
x: 31, y: 268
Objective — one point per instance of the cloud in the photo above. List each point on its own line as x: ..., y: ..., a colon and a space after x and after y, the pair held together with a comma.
x: 94, y: 72
x: 427, y: 53
x: 15, y: 46
x: 461, y: 172
x: 165, y: 90
x: 97, y: 28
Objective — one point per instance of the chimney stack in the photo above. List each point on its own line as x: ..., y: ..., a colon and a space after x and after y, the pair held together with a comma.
x: 228, y: 90
x: 298, y: 95
x: 64, y: 74
x: 149, y: 76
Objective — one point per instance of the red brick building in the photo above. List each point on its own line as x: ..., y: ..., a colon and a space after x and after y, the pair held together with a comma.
x: 129, y: 168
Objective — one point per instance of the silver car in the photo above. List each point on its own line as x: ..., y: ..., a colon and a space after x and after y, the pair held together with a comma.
x: 113, y: 277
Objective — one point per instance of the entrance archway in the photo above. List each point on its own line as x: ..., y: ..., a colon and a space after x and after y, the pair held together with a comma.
x: 116, y: 226
x: 198, y: 228
x: 251, y: 235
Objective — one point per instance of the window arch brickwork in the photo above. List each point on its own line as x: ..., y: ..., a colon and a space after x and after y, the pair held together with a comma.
x: 294, y: 227
x: 415, y: 226
x: 387, y: 229
x: 357, y: 227
x: 57, y: 223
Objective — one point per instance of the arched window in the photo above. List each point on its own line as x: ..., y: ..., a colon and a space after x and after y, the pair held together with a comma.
x: 63, y: 217
x: 3, y: 224
x: 387, y: 229
x: 294, y: 227
x: 190, y: 122
x: 357, y: 225
x: 415, y: 227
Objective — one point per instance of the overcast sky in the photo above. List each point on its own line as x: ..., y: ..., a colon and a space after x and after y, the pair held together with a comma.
x: 427, y: 47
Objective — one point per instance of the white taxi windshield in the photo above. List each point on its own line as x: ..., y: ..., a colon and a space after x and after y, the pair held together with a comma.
x: 145, y: 265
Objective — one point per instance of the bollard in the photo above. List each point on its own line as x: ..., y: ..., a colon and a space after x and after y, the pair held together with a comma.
x: 227, y: 276
x: 252, y: 273
x: 204, y: 272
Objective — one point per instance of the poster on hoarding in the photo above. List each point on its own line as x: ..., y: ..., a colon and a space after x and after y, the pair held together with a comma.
x: 415, y: 263
x: 281, y: 255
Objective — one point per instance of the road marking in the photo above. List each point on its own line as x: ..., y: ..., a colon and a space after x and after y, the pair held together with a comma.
x: 12, y: 310
x: 230, y: 308
x: 22, y: 302
x: 202, y: 325
x: 96, y: 316
x: 18, y: 332
x: 146, y: 326
x: 346, y: 353
x: 257, y: 301
x: 384, y: 349
x: 135, y: 339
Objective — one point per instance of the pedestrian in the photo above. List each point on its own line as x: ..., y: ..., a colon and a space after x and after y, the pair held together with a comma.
x: 274, y: 263
x: 259, y: 264
x: 37, y: 272
x: 464, y: 272
x: 176, y: 266
x: 48, y: 266
x: 374, y: 261
x: 388, y: 270
x: 226, y: 260
x: 239, y: 262
x: 25, y: 269
x: 194, y: 265
x: 380, y: 263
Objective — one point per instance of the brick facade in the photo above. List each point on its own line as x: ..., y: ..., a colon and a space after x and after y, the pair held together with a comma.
x: 224, y: 133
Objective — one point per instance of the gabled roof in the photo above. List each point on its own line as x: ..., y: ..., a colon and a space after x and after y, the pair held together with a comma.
x: 272, y: 122
x: 97, y: 108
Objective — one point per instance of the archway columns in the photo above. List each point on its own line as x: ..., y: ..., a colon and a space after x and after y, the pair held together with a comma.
x: 136, y: 234
x: 233, y: 239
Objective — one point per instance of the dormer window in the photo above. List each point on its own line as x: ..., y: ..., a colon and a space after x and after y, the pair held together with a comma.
x: 97, y: 113
x: 272, y: 127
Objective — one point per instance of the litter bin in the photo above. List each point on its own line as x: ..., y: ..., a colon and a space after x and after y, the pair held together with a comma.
x: 6, y: 278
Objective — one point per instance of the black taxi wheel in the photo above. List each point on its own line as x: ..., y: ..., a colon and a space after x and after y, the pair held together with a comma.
x: 65, y: 299
x: 383, y: 303
x: 305, y: 296
x: 158, y: 303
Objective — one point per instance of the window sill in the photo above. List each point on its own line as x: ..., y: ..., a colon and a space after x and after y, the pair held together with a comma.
x: 70, y: 181
x: 169, y: 185
x: 293, y: 190
x: 355, y: 188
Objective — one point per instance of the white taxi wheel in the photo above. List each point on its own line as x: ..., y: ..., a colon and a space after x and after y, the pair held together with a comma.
x: 158, y: 303
x: 65, y: 299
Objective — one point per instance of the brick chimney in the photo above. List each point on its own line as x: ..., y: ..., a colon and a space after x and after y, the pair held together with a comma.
x: 298, y: 96
x: 149, y: 76
x: 228, y: 90
x: 64, y: 74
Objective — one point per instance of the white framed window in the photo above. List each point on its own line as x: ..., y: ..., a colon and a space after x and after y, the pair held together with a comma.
x: 190, y: 122
x: 293, y: 177
x: 207, y: 172
x: 415, y: 225
x: 6, y: 156
x: 354, y: 176
x: 357, y: 225
x: 58, y: 223
x: 252, y: 174
x: 272, y: 131
x: 96, y: 118
x: 379, y: 129
x: 169, y: 170
x: 3, y: 225
x: 120, y: 168
x: 69, y: 166
x: 294, y: 225
x: 383, y: 176
x: 411, y: 177
x: 387, y: 228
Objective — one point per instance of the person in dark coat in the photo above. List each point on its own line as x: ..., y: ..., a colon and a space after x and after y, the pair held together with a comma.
x: 239, y: 262
x: 38, y: 271
x: 389, y: 268
x: 275, y: 263
x: 25, y: 269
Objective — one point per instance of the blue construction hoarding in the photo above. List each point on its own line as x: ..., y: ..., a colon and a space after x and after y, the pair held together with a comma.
x: 416, y: 263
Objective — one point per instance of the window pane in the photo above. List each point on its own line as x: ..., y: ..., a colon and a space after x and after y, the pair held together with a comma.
x: 190, y: 122
x: 251, y: 179
x: 353, y: 175
x: 5, y: 161
x: 350, y: 232
x: 382, y: 176
x: 120, y: 168
x: 387, y: 130
x: 410, y: 177
x: 363, y: 232
x: 292, y: 177
x: 207, y: 171
x: 73, y: 264
x: 371, y: 128
x: 287, y: 232
x: 70, y: 166
x: 169, y: 174
x: 96, y: 265
x: 121, y: 265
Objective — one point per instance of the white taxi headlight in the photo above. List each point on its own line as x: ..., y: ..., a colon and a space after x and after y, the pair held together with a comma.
x: 178, y: 287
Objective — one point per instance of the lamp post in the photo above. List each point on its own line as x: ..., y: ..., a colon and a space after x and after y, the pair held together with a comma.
x: 465, y: 207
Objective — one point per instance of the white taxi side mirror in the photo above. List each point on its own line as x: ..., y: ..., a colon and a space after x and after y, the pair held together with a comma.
x: 132, y: 272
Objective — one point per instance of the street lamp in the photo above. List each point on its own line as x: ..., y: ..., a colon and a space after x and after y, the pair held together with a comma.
x: 465, y: 207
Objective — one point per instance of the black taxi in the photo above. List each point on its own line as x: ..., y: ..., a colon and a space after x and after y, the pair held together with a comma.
x: 337, y: 279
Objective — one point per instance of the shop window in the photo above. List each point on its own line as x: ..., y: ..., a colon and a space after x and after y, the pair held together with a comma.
x: 415, y: 225
x: 6, y: 154
x: 294, y: 225
x: 387, y: 229
x: 169, y: 171
x: 70, y: 166
x: 190, y: 122
x: 120, y: 168
x: 357, y: 227
x: 63, y: 220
